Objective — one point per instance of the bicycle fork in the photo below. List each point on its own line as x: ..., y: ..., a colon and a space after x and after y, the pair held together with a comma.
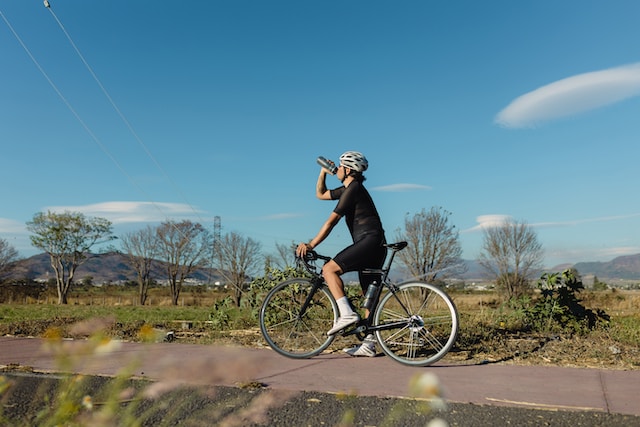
x: 316, y: 284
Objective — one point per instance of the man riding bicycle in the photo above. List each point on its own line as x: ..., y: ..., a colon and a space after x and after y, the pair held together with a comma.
x: 367, y: 250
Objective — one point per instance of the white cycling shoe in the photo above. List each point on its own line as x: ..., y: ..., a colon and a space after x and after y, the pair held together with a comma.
x: 362, y: 350
x: 343, y: 322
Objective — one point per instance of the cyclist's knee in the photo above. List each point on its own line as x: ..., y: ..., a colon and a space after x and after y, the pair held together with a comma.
x: 331, y: 267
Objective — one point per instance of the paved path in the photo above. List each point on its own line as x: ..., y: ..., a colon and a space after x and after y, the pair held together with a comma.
x: 489, y: 384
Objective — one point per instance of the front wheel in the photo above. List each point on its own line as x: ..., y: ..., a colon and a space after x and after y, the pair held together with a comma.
x: 418, y: 323
x: 295, y: 317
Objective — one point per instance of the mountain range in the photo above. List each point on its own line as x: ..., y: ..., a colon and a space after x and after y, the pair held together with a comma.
x: 113, y: 267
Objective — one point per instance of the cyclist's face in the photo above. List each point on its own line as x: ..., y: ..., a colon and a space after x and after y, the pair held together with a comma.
x: 341, y: 174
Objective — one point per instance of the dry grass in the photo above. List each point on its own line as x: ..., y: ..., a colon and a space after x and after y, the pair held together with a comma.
x: 490, y: 331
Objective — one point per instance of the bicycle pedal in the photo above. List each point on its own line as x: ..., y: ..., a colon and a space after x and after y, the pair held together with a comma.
x: 352, y: 331
x: 360, y: 329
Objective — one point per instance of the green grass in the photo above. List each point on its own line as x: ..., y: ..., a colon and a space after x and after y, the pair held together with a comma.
x: 489, y: 328
x: 126, y: 314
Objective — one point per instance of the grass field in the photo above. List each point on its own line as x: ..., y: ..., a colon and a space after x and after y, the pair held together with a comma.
x: 490, y: 330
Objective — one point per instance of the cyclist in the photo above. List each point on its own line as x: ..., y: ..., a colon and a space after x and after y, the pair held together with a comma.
x: 367, y: 250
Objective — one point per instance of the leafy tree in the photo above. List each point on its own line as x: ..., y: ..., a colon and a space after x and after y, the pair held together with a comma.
x: 598, y: 285
x: 238, y: 259
x: 141, y: 248
x: 511, y: 253
x: 184, y: 246
x: 434, y: 250
x: 67, y: 238
x: 8, y: 254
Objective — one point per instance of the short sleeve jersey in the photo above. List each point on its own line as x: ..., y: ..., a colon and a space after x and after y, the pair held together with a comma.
x: 356, y: 205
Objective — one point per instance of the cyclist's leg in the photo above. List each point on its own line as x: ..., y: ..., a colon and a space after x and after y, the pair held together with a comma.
x: 331, y: 272
x: 367, y: 252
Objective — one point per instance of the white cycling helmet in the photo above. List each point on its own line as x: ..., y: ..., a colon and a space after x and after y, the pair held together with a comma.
x: 354, y: 160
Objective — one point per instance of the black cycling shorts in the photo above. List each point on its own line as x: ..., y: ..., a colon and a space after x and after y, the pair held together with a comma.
x: 366, y: 252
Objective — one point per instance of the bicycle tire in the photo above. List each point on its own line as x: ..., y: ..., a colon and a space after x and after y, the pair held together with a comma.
x: 291, y: 334
x: 429, y: 323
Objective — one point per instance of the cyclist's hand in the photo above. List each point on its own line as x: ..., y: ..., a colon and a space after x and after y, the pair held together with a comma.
x: 302, y: 249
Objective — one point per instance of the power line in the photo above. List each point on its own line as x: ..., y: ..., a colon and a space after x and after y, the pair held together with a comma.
x: 64, y: 100
x: 83, y: 123
x: 118, y: 111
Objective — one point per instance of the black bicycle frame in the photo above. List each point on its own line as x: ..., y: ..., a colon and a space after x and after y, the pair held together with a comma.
x: 316, y: 283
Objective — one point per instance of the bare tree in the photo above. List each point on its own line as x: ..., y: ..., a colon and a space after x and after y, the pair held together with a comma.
x: 512, y: 254
x: 8, y: 254
x: 141, y: 248
x: 184, y: 246
x: 434, y: 250
x: 238, y: 259
x: 67, y: 238
x: 284, y: 257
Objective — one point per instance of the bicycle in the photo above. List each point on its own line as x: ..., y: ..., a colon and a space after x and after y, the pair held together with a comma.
x: 415, y: 323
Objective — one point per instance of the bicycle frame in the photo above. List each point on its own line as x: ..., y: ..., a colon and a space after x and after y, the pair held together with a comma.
x: 317, y: 282
x: 363, y: 327
x: 415, y: 323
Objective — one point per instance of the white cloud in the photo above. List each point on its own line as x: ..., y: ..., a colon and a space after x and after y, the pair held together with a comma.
x: 402, y: 187
x: 589, y: 254
x: 584, y: 221
x: 489, y: 221
x: 496, y: 220
x: 281, y: 216
x: 10, y: 226
x: 571, y: 96
x: 132, y: 212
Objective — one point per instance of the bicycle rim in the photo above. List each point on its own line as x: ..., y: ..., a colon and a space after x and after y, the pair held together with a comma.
x: 290, y: 332
x: 428, y: 323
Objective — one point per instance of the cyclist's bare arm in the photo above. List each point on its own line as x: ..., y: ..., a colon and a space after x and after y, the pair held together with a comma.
x: 325, y: 230
x: 321, y: 187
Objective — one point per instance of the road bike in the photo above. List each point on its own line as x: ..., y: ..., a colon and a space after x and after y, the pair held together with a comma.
x: 415, y: 323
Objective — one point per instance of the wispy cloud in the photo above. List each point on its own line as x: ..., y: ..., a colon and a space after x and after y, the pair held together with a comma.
x: 585, y: 221
x: 591, y: 254
x: 402, y: 187
x: 489, y: 221
x: 571, y: 96
x: 132, y: 212
x: 281, y: 216
x: 9, y: 226
x: 496, y: 220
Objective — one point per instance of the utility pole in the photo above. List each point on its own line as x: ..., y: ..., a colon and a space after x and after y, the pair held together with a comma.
x: 217, y: 227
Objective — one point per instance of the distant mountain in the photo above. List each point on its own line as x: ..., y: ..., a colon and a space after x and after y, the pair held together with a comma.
x: 623, y: 267
x: 110, y: 267
x: 113, y: 268
x: 474, y: 271
x: 620, y: 268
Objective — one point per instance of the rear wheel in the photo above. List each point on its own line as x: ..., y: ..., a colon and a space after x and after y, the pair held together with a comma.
x: 291, y: 330
x: 426, y: 319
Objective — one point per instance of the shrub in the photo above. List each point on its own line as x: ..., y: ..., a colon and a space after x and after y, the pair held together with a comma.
x: 559, y: 308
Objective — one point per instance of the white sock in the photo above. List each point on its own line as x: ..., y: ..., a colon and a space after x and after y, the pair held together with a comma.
x: 344, y: 307
x: 369, y: 340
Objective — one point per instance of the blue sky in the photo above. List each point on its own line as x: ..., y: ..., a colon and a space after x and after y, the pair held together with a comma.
x: 144, y: 111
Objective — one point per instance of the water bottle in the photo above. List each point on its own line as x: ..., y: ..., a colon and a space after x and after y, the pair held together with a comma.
x: 328, y: 166
x: 371, y: 294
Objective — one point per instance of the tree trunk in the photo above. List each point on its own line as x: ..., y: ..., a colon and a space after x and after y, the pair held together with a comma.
x: 238, y: 292
x: 62, y: 291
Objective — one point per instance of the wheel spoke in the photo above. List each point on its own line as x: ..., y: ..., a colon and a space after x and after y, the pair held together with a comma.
x: 430, y: 323
x: 290, y: 331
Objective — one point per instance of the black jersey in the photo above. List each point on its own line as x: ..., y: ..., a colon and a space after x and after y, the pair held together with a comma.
x: 356, y: 205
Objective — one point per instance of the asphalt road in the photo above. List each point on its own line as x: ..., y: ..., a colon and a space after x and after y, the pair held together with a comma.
x: 231, y: 406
